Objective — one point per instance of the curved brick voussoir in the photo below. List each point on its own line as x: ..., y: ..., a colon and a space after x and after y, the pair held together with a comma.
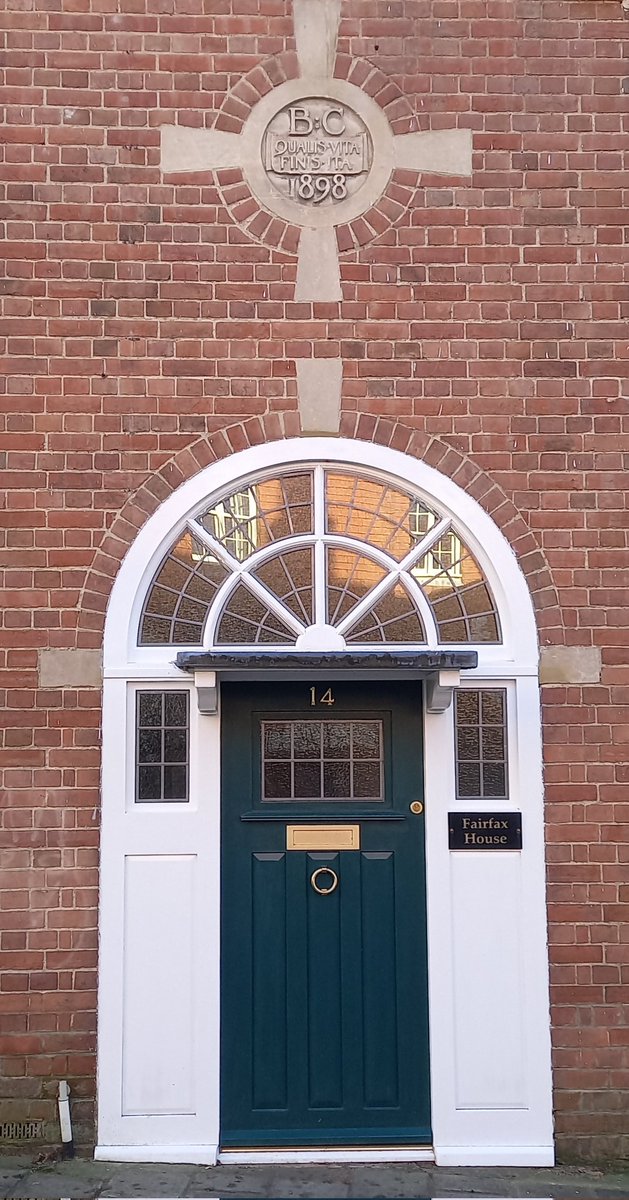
x: 181, y: 467
x: 386, y: 93
x: 274, y: 427
x: 471, y: 478
x: 239, y: 102
x: 243, y: 206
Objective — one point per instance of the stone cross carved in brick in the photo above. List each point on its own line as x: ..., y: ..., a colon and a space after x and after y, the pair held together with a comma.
x: 317, y: 151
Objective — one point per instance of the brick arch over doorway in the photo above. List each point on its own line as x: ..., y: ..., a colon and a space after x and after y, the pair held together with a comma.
x: 396, y: 434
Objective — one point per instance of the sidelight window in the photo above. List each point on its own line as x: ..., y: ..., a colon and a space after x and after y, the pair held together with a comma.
x: 162, y: 746
x: 481, y: 744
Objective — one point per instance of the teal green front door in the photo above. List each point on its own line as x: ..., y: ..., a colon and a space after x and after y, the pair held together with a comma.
x: 324, y: 1021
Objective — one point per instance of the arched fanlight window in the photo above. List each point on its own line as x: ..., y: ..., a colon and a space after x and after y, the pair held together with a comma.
x: 318, y: 556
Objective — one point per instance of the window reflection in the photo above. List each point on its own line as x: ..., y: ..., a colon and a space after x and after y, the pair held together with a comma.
x: 348, y: 560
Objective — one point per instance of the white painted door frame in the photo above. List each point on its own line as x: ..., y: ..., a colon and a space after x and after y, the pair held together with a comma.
x: 159, y: 985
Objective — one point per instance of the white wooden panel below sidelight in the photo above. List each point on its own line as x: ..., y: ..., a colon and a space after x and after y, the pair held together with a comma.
x: 489, y: 1040
x: 158, y: 1006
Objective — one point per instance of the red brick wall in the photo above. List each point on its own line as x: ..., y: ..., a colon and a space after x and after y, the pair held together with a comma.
x: 486, y: 326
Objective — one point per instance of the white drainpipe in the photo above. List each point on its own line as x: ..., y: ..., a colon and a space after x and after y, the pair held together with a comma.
x: 65, y: 1120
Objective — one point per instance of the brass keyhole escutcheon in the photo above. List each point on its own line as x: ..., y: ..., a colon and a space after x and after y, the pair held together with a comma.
x: 324, y: 891
x: 416, y: 807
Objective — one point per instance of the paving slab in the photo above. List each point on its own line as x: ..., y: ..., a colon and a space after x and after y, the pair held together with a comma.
x: 9, y: 1178
x: 78, y: 1177
x: 149, y: 1179
x: 22, y: 1178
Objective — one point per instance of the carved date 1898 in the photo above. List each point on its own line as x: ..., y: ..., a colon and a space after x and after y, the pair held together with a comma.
x: 317, y: 152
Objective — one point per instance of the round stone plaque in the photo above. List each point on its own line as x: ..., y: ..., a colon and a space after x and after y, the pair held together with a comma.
x: 317, y: 152
x: 317, y: 161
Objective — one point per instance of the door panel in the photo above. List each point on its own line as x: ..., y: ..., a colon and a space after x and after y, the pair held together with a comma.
x: 268, y: 915
x: 324, y: 997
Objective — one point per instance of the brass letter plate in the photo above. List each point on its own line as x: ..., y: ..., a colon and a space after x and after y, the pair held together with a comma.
x: 323, y: 837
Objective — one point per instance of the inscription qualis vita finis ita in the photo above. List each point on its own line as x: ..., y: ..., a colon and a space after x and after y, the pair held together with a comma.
x: 317, y: 152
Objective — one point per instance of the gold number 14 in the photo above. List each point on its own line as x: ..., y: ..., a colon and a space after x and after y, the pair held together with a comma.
x: 325, y: 697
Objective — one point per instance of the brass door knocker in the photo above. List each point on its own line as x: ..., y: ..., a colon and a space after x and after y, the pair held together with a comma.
x: 324, y: 891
